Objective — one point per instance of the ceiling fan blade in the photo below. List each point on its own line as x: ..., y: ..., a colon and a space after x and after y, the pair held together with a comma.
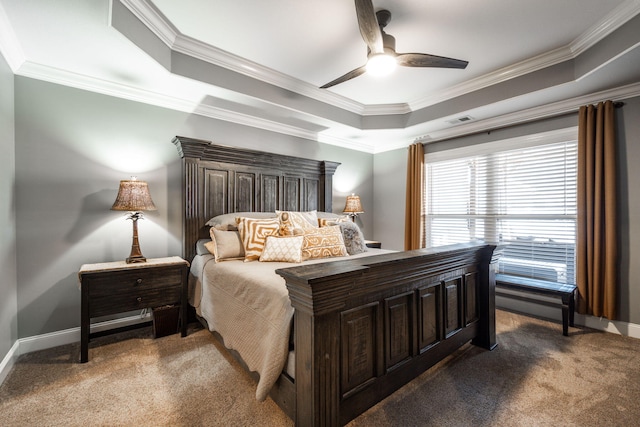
x: 369, y: 27
x: 426, y: 60
x: 350, y: 75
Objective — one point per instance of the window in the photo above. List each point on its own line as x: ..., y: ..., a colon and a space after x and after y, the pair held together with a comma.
x: 524, y: 197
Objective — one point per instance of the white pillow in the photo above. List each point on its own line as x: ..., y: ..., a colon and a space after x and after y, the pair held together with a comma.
x: 292, y: 223
x: 282, y: 249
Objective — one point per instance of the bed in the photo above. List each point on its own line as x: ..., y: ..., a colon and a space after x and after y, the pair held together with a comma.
x: 363, y: 325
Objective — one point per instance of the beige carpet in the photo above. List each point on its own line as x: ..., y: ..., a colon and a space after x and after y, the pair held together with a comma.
x: 536, y: 377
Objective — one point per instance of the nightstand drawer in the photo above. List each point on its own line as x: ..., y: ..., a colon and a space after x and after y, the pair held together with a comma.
x: 117, y: 287
x: 140, y: 280
x: 128, y: 301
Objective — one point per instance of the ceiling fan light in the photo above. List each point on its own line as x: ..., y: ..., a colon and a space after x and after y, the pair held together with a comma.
x: 381, y: 64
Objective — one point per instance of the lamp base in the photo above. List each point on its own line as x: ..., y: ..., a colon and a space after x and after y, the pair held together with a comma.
x: 134, y: 259
x: 136, y: 254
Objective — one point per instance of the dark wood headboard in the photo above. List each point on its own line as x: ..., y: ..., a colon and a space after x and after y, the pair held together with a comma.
x: 219, y: 179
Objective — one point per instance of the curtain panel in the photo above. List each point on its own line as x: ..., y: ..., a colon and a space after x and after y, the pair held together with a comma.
x: 413, y: 227
x: 597, y: 234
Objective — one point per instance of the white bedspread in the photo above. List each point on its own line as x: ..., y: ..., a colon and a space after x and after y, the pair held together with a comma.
x: 248, y: 304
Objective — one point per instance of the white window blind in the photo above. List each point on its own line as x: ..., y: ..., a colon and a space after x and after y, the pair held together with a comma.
x: 524, y: 198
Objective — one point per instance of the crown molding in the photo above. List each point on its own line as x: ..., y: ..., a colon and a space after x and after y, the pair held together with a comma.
x: 252, y: 121
x: 618, y: 17
x: 531, y: 114
x: 157, y: 23
x: 160, y: 25
x: 92, y: 84
x: 385, y: 109
x: 9, y: 45
x: 105, y: 87
x: 349, y: 144
x: 596, y: 33
x: 496, y: 77
x: 152, y: 18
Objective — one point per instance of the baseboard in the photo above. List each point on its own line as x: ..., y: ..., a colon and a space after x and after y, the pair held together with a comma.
x: 68, y: 336
x: 622, y: 328
x: 8, y: 361
x: 555, y: 314
x: 55, y: 339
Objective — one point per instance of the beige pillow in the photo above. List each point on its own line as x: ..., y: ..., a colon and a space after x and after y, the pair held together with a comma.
x: 292, y: 222
x: 323, y: 242
x: 282, y: 249
x: 253, y: 233
x: 225, y: 245
x: 323, y: 222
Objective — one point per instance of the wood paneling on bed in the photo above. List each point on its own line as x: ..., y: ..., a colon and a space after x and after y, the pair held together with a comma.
x: 375, y: 323
x: 219, y: 180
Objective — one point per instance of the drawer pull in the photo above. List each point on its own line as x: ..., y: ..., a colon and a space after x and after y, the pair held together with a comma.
x: 139, y: 281
x: 139, y: 299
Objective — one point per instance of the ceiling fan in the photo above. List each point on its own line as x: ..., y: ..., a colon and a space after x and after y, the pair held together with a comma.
x: 381, y: 47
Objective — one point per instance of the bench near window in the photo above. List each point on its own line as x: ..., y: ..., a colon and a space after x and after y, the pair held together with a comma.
x: 541, y: 287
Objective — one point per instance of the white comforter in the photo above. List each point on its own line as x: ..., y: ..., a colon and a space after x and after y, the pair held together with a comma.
x: 248, y: 304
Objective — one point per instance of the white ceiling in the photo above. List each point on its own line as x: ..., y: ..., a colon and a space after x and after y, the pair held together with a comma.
x: 260, y: 62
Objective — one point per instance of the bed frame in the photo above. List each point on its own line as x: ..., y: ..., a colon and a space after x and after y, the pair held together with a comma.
x: 362, y: 327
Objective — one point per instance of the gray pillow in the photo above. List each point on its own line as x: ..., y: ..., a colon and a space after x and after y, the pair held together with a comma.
x: 353, y: 238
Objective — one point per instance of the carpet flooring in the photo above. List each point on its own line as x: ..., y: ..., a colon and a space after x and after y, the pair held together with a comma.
x: 535, y: 377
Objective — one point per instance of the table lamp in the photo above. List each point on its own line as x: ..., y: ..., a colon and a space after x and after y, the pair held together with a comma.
x: 353, y: 207
x: 133, y: 196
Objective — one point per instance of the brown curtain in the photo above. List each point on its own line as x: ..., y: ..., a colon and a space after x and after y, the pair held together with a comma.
x: 597, y: 234
x: 413, y: 210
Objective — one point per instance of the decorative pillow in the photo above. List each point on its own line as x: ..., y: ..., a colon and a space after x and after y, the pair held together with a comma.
x: 210, y: 246
x: 201, y: 247
x: 292, y: 222
x: 282, y: 249
x: 323, y: 242
x: 225, y: 245
x: 323, y: 222
x: 228, y: 221
x: 322, y: 214
x: 254, y: 232
x: 353, y: 238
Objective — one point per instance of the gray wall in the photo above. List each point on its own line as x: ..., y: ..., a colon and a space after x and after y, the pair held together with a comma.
x: 390, y: 183
x: 390, y: 170
x: 8, y: 275
x: 72, y: 148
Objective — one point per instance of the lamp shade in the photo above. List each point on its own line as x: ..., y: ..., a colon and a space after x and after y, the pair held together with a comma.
x: 133, y: 196
x: 353, y: 205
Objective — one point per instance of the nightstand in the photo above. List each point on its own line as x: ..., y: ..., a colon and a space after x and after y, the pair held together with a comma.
x: 373, y: 244
x: 116, y: 287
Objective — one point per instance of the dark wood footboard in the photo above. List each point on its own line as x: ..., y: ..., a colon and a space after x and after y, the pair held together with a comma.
x: 365, y: 327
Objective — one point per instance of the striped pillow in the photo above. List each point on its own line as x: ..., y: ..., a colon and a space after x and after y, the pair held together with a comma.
x: 253, y: 233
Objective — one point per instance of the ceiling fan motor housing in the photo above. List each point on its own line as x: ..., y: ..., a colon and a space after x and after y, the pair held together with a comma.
x: 388, y: 43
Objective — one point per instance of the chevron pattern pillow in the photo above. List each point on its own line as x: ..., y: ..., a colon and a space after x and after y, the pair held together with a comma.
x: 282, y: 249
x: 253, y: 233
